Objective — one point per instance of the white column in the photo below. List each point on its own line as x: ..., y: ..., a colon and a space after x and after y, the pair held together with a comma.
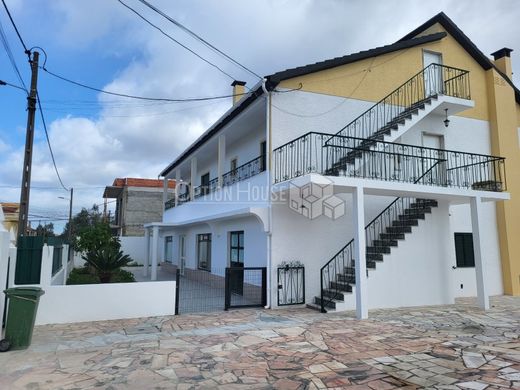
x: 165, y: 193
x: 155, y: 244
x: 193, y: 177
x: 476, y: 224
x: 360, y: 255
x: 177, y: 185
x: 46, y: 270
x: 147, y: 253
x: 221, y: 158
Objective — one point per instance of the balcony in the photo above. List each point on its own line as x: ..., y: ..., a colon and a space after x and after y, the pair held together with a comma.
x: 241, y: 173
x: 337, y: 155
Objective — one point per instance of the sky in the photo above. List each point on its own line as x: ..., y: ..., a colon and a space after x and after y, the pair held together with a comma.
x: 97, y: 137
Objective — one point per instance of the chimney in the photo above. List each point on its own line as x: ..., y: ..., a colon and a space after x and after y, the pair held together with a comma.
x: 238, y: 90
x: 503, y: 61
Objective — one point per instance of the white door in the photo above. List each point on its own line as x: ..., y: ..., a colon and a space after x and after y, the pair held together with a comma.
x: 434, y: 165
x: 182, y: 254
x: 432, y: 74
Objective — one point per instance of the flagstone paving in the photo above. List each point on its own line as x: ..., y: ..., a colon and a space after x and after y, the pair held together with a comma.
x: 440, y: 347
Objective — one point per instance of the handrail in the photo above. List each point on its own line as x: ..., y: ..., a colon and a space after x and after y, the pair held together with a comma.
x: 435, y: 79
x: 351, y: 242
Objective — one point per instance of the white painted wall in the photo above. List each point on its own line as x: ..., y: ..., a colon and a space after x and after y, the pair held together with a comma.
x: 135, y: 247
x: 100, y: 302
x: 255, y: 243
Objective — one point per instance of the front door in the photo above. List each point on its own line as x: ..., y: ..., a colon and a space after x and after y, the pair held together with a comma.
x: 435, y: 165
x: 236, y: 262
x: 432, y: 74
x: 182, y: 254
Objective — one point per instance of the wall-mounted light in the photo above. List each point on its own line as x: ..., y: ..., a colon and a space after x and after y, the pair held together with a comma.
x: 446, y: 121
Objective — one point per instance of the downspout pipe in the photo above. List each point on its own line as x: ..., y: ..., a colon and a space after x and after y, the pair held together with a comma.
x: 269, y: 184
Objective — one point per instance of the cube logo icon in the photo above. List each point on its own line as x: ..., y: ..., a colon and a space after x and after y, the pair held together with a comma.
x: 316, y: 198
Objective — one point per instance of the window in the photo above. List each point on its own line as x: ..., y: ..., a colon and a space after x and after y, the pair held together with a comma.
x: 168, y: 246
x: 204, y: 251
x: 236, y: 248
x: 464, y: 250
x: 204, y: 184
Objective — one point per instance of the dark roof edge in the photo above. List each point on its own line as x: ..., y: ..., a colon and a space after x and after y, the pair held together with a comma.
x: 464, y: 41
x: 332, y: 63
x: 224, y: 120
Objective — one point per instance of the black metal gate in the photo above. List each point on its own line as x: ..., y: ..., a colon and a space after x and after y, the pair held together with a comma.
x: 246, y: 287
x: 221, y: 289
x: 291, y: 285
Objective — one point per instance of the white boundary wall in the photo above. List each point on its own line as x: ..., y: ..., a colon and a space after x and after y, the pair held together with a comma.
x: 100, y: 302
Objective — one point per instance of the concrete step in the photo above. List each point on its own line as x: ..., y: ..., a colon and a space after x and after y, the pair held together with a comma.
x: 410, y: 222
x: 399, y: 229
x: 383, y: 242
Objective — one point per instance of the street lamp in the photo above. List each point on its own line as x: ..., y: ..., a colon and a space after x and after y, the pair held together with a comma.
x: 69, y: 233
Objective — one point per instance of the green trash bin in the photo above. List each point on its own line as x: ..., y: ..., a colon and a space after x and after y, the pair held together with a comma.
x: 23, y: 304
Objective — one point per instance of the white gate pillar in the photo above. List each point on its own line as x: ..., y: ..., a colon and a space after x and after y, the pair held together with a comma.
x: 147, y: 249
x: 476, y: 224
x: 155, y: 244
x: 360, y: 255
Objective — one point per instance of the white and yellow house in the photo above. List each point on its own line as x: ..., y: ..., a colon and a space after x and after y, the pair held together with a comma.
x: 382, y: 172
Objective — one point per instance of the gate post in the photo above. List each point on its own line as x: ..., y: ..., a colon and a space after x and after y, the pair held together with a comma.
x: 177, y: 282
x: 227, y: 294
x: 264, y: 286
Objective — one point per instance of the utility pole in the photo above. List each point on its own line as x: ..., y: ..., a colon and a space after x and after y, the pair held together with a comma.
x: 29, y: 137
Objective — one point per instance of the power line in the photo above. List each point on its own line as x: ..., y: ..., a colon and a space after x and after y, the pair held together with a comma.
x: 27, y: 51
x: 48, y: 141
x: 139, y: 97
x: 176, y: 41
x: 9, y: 53
x: 2, y: 82
x: 198, y: 37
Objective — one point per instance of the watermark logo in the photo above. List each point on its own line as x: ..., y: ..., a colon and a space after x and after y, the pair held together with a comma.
x: 316, y: 198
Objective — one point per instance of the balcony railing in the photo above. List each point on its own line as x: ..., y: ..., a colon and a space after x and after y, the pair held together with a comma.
x: 243, y: 172
x: 334, y: 155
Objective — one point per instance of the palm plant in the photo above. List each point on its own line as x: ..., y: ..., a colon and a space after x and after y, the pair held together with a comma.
x: 106, y: 261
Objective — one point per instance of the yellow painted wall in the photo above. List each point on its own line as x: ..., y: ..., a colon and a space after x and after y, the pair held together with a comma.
x: 363, y: 79
x: 504, y: 123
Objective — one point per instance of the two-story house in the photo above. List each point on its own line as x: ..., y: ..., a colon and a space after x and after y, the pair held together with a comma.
x: 381, y: 172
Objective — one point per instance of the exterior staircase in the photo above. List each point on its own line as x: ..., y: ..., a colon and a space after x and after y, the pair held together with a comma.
x: 339, y: 274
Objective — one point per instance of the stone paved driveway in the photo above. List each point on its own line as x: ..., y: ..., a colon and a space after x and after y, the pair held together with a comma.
x: 450, y: 347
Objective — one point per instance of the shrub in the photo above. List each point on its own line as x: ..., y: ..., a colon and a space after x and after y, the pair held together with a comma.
x: 122, y: 276
x: 106, y: 261
x: 82, y: 276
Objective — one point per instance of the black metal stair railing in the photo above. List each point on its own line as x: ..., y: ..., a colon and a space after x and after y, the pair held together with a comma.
x: 387, y: 161
x: 409, y: 97
x: 333, y: 283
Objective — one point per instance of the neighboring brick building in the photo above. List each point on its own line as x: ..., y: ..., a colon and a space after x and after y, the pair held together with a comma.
x: 138, y: 201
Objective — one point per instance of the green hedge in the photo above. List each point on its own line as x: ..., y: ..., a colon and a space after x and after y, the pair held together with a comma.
x: 85, y: 276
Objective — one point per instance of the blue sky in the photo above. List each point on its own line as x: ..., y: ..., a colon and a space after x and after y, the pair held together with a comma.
x: 99, y: 42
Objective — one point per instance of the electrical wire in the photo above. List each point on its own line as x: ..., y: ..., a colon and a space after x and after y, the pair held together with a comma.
x: 198, y: 37
x: 9, y: 53
x: 49, y: 141
x: 2, y: 82
x: 27, y: 51
x: 176, y: 41
x: 140, y: 97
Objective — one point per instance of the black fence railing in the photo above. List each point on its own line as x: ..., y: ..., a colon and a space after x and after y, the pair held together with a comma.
x: 291, y: 285
x: 334, y: 155
x: 243, y: 172
x: 246, y: 287
x: 432, y: 81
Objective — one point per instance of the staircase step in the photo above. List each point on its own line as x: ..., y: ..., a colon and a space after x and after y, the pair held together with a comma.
x: 336, y: 294
x: 328, y: 303
x: 391, y: 236
x: 341, y: 286
x: 374, y: 256
x: 410, y: 217
x: 378, y: 249
x: 409, y: 222
x: 399, y: 229
x: 415, y: 211
x: 383, y: 242
x: 424, y: 203
x: 345, y: 279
